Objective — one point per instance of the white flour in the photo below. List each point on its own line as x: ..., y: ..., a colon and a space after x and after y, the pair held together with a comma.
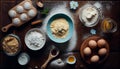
x: 35, y: 40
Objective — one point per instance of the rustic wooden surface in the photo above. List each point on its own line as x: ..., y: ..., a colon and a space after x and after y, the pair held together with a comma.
x: 39, y: 57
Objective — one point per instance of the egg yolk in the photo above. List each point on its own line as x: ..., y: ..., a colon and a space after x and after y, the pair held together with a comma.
x: 71, y: 59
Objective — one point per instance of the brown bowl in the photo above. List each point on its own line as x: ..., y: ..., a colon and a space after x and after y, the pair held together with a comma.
x: 86, y: 58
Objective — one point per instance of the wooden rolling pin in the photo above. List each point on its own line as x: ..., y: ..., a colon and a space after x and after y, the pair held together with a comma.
x: 36, y: 22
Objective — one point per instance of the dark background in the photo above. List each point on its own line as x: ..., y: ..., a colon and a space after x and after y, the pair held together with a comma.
x: 39, y: 57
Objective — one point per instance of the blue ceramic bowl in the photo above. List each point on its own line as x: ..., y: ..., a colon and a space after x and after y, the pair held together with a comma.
x: 70, y: 31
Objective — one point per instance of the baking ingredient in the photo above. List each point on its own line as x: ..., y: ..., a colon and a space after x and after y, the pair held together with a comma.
x: 94, y: 58
x: 106, y: 25
x: 16, y: 21
x: 19, y: 9
x: 87, y: 51
x: 24, y: 17
x: 92, y: 44
x: 35, y: 40
x: 102, y: 51
x: 89, y: 16
x: 23, y: 59
x: 31, y: 13
x: 71, y: 59
x: 12, y: 13
x: 59, y: 28
x: 27, y: 5
x: 101, y: 42
x: 10, y: 45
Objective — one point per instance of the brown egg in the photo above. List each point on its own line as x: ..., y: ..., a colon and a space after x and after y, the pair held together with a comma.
x: 94, y: 58
x: 101, y: 42
x: 92, y: 44
x: 102, y: 51
x: 87, y: 51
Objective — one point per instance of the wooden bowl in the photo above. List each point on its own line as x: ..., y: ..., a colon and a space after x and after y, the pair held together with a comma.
x: 86, y: 58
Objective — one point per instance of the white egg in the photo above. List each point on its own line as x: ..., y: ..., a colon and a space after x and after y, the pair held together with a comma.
x: 16, y: 21
x: 23, y: 17
x: 101, y: 42
x: 12, y: 13
x: 102, y: 51
x: 87, y: 51
x: 27, y: 5
x: 31, y: 13
x: 94, y: 58
x: 92, y: 44
x: 19, y: 9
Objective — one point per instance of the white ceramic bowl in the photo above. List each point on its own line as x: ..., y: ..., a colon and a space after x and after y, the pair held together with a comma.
x: 35, y: 39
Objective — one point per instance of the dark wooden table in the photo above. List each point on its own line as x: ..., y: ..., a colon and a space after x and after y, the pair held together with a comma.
x: 37, y: 58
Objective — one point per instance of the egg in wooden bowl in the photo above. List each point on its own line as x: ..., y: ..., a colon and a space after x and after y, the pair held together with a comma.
x: 94, y: 50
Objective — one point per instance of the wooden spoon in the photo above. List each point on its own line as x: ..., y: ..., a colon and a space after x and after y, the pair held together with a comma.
x: 53, y: 53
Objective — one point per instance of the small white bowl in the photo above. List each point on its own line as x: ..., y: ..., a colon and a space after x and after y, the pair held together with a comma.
x: 73, y: 59
x: 23, y: 58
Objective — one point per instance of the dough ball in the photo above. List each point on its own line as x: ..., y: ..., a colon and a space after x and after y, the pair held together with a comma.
x: 27, y: 5
x: 92, y: 44
x: 87, y: 51
x: 94, y: 58
x: 31, y: 13
x: 23, y: 17
x: 12, y: 13
x: 19, y: 9
x: 16, y: 21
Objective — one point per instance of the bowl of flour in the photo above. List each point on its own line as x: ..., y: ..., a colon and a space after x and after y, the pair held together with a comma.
x: 89, y: 15
x: 35, y: 39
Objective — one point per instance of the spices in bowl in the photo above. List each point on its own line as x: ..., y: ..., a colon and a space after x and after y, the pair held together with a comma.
x: 11, y: 44
x: 35, y: 39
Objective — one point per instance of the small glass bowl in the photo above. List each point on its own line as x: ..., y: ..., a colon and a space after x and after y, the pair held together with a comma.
x: 19, y: 46
x: 89, y: 23
x: 108, y: 25
x: 23, y: 58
